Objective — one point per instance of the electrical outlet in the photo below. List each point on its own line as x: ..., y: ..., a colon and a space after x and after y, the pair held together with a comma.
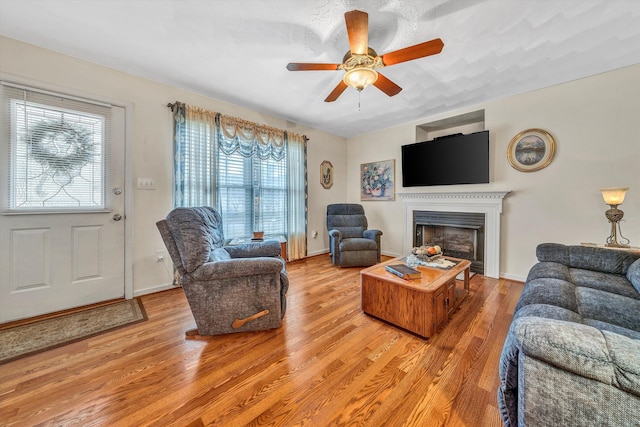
x: 159, y: 256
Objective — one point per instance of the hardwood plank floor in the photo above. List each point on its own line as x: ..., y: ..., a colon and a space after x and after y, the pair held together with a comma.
x: 328, y: 365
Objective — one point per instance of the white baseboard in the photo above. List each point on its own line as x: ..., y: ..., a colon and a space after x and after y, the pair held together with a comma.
x: 154, y: 289
x: 392, y: 254
x: 514, y: 277
x: 320, y: 252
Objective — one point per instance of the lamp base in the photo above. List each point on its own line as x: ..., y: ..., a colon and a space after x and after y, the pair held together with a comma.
x: 614, y: 215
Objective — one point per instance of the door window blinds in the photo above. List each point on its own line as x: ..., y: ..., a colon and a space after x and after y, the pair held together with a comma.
x: 56, y: 151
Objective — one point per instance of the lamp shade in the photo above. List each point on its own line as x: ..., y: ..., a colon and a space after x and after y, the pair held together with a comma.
x: 360, y: 77
x: 613, y: 196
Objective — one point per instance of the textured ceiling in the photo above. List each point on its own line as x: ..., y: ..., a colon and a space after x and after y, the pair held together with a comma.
x: 237, y: 50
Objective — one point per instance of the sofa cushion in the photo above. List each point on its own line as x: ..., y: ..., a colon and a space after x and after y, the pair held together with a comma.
x: 350, y: 232
x: 633, y: 274
x: 587, y: 257
x: 553, y: 252
x: 196, y: 231
x: 358, y: 244
x: 548, y: 312
x: 604, y: 326
x: 610, y: 308
x: 549, y: 269
x: 219, y: 254
x: 268, y: 248
x: 613, y: 283
x: 348, y: 218
x: 549, y: 291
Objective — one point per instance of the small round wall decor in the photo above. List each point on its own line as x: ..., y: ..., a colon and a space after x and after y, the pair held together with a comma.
x: 531, y: 150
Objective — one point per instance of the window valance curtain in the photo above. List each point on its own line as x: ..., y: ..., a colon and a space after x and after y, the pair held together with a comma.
x: 248, y: 138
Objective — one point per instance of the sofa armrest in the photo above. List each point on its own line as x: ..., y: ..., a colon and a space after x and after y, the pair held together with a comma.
x: 336, y: 234
x: 371, y: 234
x: 268, y: 248
x: 239, y: 267
x: 583, y: 350
x: 335, y: 237
x: 554, y: 372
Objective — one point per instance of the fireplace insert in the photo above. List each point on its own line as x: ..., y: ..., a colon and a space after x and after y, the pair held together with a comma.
x: 459, y: 234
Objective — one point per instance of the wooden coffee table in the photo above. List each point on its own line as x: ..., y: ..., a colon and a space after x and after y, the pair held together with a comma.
x: 421, y: 306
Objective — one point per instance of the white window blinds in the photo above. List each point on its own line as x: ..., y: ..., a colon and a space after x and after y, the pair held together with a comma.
x: 56, y: 151
x: 252, y: 195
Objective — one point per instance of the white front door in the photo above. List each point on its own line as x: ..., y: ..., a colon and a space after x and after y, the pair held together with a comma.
x: 62, y: 220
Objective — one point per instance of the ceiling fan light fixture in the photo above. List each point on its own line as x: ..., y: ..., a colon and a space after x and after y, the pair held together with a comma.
x: 360, y: 61
x: 360, y: 77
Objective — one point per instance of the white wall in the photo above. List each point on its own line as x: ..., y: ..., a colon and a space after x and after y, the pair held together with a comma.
x: 596, y: 125
x: 151, y: 143
x: 595, y: 122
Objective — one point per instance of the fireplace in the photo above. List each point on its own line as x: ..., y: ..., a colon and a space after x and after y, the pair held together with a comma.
x: 459, y: 234
x: 486, y: 203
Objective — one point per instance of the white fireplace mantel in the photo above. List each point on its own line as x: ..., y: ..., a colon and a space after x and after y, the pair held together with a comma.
x: 487, y: 202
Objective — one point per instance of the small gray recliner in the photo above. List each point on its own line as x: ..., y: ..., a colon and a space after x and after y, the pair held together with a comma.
x: 351, y: 244
x: 229, y: 288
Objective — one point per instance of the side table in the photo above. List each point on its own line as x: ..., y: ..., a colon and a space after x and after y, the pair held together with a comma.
x: 633, y: 249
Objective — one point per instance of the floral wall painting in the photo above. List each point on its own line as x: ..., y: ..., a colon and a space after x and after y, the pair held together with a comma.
x: 531, y: 150
x: 377, y: 180
x: 326, y: 174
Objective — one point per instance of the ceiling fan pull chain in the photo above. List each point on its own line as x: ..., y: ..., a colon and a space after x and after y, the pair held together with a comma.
x: 359, y: 93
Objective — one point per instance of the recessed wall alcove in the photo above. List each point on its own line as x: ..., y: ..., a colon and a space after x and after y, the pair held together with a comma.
x: 463, y: 123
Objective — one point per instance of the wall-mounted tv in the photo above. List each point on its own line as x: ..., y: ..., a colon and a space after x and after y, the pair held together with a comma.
x: 447, y: 160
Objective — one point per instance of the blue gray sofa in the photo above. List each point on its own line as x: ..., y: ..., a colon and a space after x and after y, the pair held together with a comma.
x: 572, y: 353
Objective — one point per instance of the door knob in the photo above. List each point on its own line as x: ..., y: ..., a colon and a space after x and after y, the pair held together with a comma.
x: 117, y: 217
x: 117, y: 191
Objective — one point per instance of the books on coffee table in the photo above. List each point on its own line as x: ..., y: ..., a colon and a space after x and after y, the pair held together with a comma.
x: 403, y: 271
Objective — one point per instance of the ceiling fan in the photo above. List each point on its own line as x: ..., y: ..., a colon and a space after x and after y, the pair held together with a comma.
x: 360, y: 62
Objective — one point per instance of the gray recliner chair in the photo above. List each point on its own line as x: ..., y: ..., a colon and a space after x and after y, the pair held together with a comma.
x: 351, y: 244
x: 229, y: 288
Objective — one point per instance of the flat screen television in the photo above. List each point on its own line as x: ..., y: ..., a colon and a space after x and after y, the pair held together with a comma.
x: 447, y: 160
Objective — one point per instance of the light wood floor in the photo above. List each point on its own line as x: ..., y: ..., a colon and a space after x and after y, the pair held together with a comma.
x: 329, y: 364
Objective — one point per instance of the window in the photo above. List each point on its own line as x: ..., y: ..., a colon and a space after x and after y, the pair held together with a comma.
x: 252, y: 195
x: 245, y: 171
x: 57, y: 156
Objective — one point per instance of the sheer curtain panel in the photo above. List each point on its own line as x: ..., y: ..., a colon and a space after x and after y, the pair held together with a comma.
x: 297, y: 201
x: 194, y: 154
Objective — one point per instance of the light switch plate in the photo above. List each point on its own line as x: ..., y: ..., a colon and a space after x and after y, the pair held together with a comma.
x: 146, y: 184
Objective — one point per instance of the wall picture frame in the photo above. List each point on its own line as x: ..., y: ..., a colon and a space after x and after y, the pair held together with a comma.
x: 326, y: 174
x: 377, y: 180
x: 531, y: 150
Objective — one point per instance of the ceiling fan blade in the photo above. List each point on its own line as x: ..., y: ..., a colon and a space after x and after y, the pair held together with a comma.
x: 387, y: 86
x: 419, y: 50
x: 358, y: 31
x: 300, y: 66
x: 336, y: 92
